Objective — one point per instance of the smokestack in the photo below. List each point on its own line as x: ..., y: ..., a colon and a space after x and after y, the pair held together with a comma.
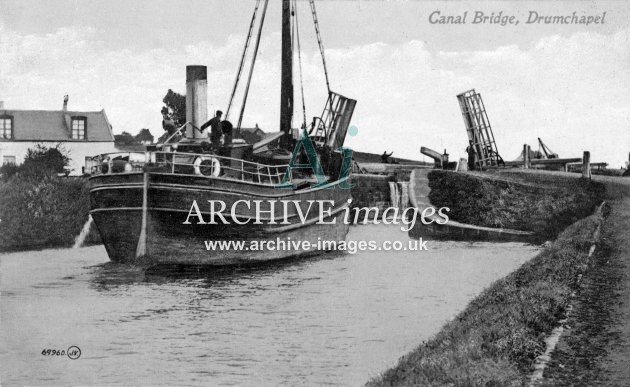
x: 196, y: 99
x: 66, y: 117
x: 1, y: 104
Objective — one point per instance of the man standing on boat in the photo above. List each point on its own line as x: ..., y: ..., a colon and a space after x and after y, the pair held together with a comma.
x: 215, y: 129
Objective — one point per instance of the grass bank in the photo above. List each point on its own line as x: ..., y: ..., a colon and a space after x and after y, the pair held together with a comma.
x: 595, y: 346
x: 43, y: 211
x: 496, y: 340
x: 545, y: 209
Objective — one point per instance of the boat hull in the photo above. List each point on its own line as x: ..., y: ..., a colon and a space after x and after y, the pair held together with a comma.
x: 172, y: 231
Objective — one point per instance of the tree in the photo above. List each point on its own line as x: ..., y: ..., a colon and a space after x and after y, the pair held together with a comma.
x: 124, y: 138
x: 53, y: 159
x: 175, y: 108
x: 39, y: 161
x: 144, y: 137
x: 173, y: 114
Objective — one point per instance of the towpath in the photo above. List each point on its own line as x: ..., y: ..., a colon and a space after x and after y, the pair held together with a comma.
x: 595, y: 349
x: 617, y: 361
x: 595, y: 346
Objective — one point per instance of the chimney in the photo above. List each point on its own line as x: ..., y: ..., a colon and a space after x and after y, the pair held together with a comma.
x: 66, y: 117
x: 1, y: 104
x: 196, y: 99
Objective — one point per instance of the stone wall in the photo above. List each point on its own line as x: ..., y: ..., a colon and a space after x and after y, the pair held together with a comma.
x: 371, y: 190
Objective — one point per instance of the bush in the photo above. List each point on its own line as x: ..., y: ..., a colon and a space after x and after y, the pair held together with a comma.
x: 7, y: 171
x: 39, y: 161
x: 39, y: 209
x: 44, y: 212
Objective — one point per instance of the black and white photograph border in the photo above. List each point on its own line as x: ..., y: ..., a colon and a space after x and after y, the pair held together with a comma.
x: 308, y: 192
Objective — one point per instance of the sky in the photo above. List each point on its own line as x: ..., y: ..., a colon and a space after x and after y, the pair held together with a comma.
x: 567, y: 84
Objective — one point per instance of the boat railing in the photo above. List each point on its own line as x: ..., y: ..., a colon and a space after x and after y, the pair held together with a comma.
x: 184, y: 163
x: 115, y: 162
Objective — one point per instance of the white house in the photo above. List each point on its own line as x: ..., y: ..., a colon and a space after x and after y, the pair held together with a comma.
x: 81, y: 134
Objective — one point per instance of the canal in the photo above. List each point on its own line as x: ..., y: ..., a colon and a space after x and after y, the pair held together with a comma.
x: 333, y: 319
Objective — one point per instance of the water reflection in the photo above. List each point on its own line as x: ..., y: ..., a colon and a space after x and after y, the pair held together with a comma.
x: 110, y: 275
x: 332, y: 319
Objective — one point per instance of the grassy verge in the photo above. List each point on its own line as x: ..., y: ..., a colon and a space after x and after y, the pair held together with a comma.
x: 496, y: 340
x: 545, y: 209
x: 43, y: 211
x: 594, y: 350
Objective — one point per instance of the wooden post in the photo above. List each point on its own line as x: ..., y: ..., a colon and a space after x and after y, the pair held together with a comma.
x: 526, y: 161
x: 529, y: 157
x: 141, y: 247
x: 586, y: 165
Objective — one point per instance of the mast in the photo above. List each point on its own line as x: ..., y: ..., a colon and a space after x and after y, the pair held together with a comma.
x: 286, y: 86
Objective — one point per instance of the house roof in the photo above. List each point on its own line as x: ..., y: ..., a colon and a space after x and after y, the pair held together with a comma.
x: 47, y: 125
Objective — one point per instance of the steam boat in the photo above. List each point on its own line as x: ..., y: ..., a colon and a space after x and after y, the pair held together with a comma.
x: 156, y: 207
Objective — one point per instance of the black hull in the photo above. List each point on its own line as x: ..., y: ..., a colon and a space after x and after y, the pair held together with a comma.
x: 119, y: 204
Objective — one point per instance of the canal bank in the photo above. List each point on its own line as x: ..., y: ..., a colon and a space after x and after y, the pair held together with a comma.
x: 595, y: 346
x: 497, y: 339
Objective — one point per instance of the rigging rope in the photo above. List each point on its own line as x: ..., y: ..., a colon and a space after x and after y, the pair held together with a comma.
x: 319, y: 42
x: 240, y: 67
x: 297, y: 35
x: 251, y: 69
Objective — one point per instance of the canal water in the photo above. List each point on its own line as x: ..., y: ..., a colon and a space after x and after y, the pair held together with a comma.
x: 334, y: 319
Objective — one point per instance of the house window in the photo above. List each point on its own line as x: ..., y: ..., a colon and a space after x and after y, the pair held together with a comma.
x: 8, y: 160
x: 78, y: 128
x: 6, y: 127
